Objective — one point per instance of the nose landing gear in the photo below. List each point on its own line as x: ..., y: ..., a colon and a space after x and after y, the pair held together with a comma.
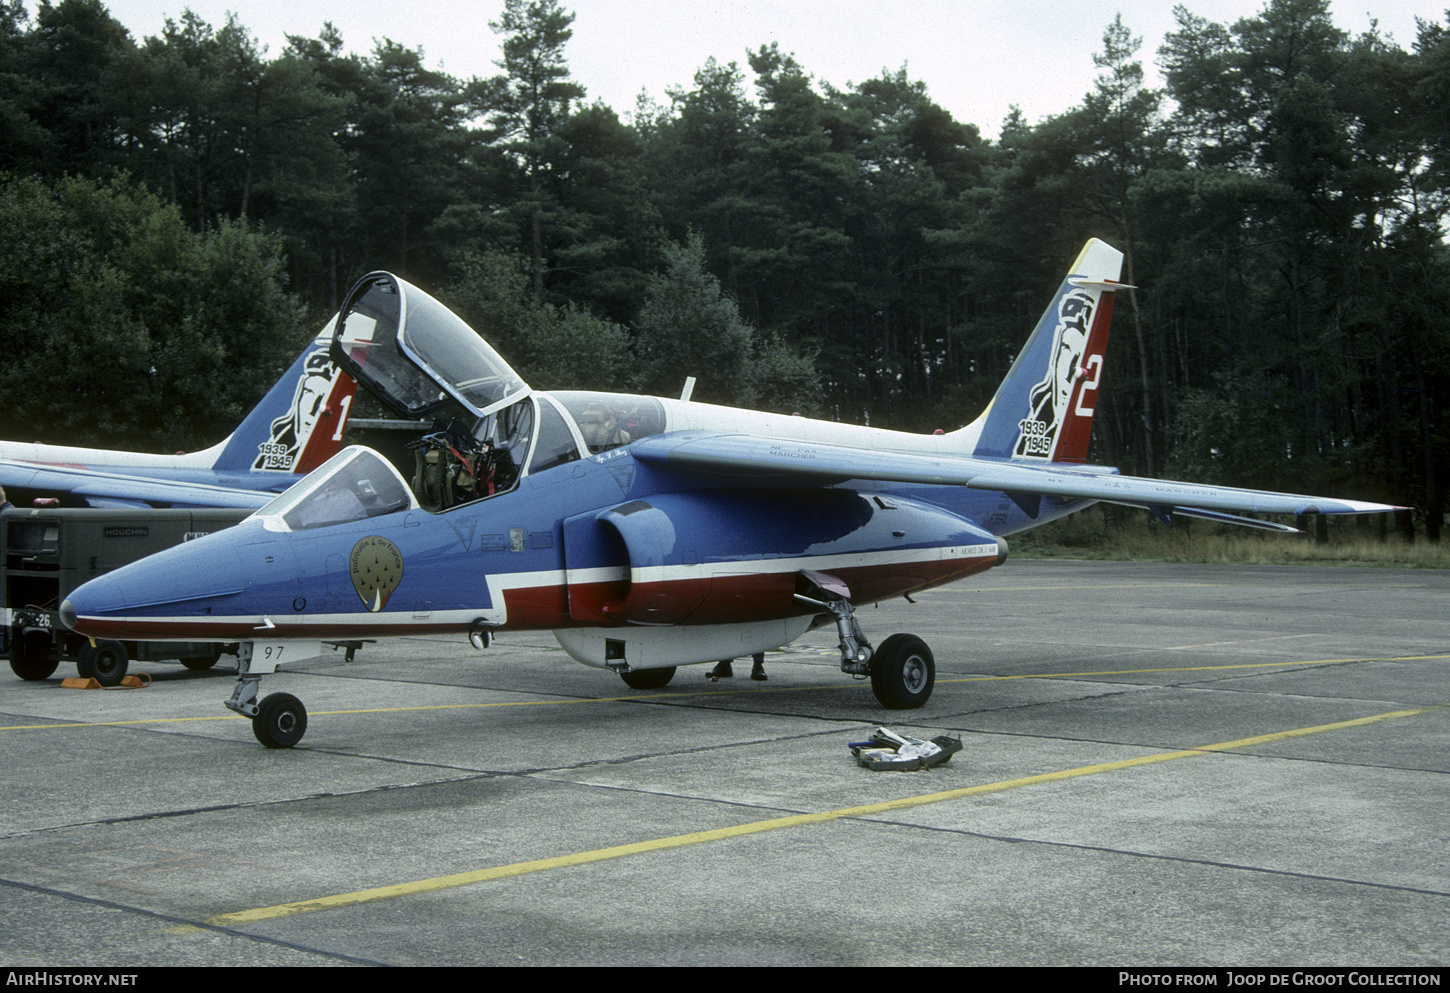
x: 280, y: 720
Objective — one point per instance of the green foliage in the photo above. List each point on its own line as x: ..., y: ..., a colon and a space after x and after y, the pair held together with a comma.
x: 1121, y: 533
x: 551, y: 347
x: 530, y: 104
x: 1282, y: 207
x: 122, y: 327
x: 688, y: 327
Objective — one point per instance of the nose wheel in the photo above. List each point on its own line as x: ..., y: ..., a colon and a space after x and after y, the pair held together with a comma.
x: 105, y: 662
x: 281, y: 721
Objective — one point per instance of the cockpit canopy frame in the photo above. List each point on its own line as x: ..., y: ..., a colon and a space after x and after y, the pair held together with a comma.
x: 417, y: 356
x: 354, y: 485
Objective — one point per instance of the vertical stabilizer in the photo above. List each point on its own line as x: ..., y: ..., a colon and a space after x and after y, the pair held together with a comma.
x: 298, y: 425
x: 1044, y: 408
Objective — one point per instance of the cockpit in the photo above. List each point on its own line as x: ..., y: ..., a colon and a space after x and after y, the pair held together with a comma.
x: 354, y: 485
x: 489, y: 429
x: 458, y: 463
x: 417, y: 356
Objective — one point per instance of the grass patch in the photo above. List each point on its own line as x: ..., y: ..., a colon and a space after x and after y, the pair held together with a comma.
x: 1121, y: 533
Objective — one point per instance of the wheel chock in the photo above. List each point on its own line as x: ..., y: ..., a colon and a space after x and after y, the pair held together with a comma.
x: 137, y: 682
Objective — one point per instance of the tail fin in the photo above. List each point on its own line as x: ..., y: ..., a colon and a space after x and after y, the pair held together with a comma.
x: 298, y: 425
x: 1044, y: 408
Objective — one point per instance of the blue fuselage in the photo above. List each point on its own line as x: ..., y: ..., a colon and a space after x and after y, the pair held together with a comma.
x: 600, y: 541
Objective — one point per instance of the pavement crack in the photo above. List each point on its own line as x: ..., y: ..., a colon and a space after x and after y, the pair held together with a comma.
x: 171, y: 920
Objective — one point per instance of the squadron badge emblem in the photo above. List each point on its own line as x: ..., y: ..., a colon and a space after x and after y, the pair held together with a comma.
x: 376, y: 567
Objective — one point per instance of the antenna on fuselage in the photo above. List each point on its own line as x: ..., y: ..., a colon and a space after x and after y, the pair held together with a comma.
x: 689, y: 389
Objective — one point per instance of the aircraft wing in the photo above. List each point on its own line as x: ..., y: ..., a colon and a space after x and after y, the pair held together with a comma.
x: 116, y: 489
x: 1021, y: 479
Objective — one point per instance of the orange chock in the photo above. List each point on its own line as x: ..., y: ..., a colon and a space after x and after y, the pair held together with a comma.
x: 138, y: 682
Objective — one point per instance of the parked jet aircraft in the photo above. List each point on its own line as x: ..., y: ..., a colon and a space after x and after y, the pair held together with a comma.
x: 295, y: 428
x: 645, y: 533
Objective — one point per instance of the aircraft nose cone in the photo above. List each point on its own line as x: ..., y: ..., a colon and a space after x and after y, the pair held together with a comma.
x: 175, y: 594
x: 100, y: 597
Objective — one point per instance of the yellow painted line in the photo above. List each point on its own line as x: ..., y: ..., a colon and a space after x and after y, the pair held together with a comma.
x: 717, y: 692
x: 1187, y: 668
x: 113, y: 724
x: 773, y: 824
x: 1141, y: 672
x: 1080, y: 586
x: 957, y: 589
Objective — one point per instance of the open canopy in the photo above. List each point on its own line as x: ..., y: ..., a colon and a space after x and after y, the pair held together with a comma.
x: 416, y: 355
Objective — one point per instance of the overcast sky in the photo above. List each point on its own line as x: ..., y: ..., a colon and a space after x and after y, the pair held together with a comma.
x: 977, y: 57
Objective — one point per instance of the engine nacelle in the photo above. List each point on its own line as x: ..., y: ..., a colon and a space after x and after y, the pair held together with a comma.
x: 705, y: 558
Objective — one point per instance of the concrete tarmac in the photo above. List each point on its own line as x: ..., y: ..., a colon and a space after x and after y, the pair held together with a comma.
x: 1163, y: 765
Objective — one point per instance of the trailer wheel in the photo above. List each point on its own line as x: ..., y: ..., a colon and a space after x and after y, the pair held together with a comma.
x: 29, y: 656
x: 200, y: 662
x: 281, y: 721
x: 105, y: 662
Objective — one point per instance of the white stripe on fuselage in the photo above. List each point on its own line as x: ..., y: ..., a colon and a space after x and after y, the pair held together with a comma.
x: 499, y: 584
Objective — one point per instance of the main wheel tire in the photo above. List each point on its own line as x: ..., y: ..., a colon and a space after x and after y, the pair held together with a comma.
x: 647, y: 679
x: 105, y: 662
x: 281, y: 721
x: 903, y: 672
x: 29, y: 656
x: 199, y: 662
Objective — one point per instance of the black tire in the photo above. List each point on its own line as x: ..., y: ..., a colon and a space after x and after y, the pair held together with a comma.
x: 199, y: 662
x: 903, y: 672
x: 281, y: 721
x: 647, y: 679
x: 105, y: 662
x: 29, y: 656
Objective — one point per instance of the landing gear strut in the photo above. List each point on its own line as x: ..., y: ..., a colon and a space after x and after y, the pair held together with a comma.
x: 280, y: 720
x: 902, y: 670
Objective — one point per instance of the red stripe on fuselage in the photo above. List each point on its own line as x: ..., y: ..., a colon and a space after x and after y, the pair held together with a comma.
x: 719, y: 599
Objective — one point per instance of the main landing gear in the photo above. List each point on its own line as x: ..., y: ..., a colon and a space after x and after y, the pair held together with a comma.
x: 902, y: 670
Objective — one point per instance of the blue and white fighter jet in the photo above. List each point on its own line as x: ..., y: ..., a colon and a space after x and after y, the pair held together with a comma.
x: 646, y: 533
